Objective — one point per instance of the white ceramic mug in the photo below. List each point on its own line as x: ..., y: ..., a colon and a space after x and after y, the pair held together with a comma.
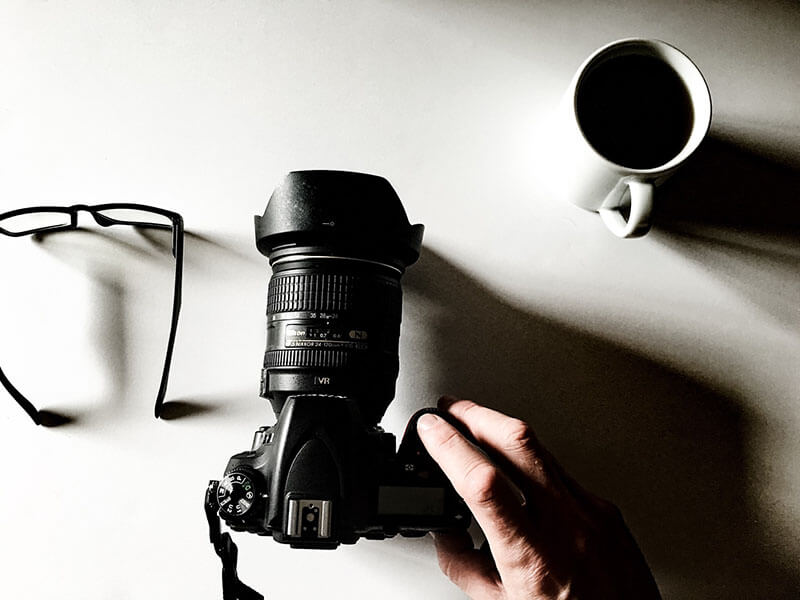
x: 634, y: 112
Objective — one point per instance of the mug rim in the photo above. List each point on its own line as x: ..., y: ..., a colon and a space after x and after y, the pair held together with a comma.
x: 670, y: 54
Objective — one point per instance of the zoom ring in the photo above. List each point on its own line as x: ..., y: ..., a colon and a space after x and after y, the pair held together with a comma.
x: 323, y: 359
x: 330, y: 292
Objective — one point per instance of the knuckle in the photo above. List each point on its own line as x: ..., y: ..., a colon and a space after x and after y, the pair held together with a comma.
x: 447, y: 565
x: 518, y: 435
x: 453, y: 568
x: 480, y: 483
x: 466, y: 406
x: 448, y: 439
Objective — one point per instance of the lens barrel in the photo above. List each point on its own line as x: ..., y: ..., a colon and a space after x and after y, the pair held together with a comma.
x: 338, y: 243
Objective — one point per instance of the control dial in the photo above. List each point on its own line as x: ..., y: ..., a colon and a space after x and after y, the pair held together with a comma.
x: 235, y: 494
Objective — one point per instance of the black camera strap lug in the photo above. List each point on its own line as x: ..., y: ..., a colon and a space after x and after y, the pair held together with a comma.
x: 232, y: 586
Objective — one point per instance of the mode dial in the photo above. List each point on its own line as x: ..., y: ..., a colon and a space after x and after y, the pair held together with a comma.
x: 235, y: 494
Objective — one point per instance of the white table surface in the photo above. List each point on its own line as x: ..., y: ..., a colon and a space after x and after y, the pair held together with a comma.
x: 664, y: 372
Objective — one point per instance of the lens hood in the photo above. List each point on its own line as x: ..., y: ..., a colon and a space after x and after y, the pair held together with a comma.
x: 337, y: 213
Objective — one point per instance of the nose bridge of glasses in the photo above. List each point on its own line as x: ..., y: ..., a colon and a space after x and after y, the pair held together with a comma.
x: 99, y: 218
x: 74, y: 212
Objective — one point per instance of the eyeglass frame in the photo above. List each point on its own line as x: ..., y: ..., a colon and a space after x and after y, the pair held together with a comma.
x: 105, y: 221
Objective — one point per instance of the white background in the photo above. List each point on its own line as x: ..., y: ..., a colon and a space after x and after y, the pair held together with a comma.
x: 663, y: 371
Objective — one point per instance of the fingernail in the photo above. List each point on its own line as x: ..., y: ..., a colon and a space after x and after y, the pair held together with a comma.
x: 427, y: 421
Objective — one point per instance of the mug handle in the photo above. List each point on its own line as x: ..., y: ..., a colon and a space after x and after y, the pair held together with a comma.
x: 641, y: 198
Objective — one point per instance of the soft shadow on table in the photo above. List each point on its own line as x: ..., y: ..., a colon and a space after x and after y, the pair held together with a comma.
x: 671, y: 452
x: 51, y: 418
x: 737, y: 214
x: 109, y: 330
x: 178, y: 409
x: 110, y: 304
x: 203, y: 249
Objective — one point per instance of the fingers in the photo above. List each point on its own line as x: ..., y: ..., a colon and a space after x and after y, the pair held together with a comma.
x: 564, y: 542
x: 483, y: 487
x: 470, y: 569
x: 514, y: 441
x: 508, y: 437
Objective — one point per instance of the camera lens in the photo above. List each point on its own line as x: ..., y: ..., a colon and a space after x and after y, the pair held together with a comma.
x: 338, y: 243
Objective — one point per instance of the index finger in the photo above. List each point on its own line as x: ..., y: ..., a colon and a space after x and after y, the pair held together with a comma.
x: 485, y: 489
x: 511, y: 438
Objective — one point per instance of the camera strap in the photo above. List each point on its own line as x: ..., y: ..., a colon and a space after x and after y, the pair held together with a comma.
x: 232, y: 586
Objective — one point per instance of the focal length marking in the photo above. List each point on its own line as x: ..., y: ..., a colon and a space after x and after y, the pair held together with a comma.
x: 304, y: 336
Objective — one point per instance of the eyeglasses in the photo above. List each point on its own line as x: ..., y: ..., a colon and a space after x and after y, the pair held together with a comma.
x: 51, y: 219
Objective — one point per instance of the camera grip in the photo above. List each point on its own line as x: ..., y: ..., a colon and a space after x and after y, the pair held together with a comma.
x: 413, y: 452
x: 411, y: 444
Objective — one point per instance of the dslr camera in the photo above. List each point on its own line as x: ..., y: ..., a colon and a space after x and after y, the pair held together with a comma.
x: 326, y: 473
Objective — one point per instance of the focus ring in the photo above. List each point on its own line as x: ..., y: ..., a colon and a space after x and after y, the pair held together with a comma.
x: 329, y: 292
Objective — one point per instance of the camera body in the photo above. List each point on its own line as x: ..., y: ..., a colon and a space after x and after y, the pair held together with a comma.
x: 326, y: 473
x: 321, y: 477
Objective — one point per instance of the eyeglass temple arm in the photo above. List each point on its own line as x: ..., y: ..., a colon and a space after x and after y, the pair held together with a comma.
x: 21, y: 400
x: 177, y: 252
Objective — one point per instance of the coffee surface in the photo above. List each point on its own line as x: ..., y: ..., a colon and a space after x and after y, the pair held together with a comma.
x: 635, y: 111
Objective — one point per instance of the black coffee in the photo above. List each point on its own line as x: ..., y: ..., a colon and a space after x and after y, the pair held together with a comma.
x: 635, y: 111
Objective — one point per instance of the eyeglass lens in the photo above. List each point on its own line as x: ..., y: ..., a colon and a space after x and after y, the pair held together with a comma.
x: 35, y: 221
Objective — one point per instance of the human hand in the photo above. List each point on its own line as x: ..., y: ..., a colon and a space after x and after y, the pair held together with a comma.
x: 560, y: 543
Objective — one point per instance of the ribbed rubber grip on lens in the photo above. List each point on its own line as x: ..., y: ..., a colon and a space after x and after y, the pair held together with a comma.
x: 329, y: 292
x: 308, y: 358
x: 322, y: 358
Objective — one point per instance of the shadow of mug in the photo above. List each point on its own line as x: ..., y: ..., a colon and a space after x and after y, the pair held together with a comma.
x: 737, y: 214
